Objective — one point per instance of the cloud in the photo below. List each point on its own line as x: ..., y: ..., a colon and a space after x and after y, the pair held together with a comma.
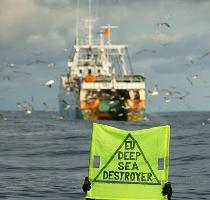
x: 54, y: 4
x: 48, y: 26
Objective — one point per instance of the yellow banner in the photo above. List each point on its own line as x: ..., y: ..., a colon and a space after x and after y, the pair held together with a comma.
x: 128, y: 164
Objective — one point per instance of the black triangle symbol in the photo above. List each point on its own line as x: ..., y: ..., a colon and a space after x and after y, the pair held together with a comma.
x: 128, y: 137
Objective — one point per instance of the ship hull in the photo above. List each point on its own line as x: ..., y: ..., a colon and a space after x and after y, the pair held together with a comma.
x: 134, y: 116
x: 101, y: 105
x: 93, y: 115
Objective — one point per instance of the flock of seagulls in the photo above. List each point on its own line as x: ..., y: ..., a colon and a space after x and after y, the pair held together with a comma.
x: 26, y: 106
x: 163, y: 28
x: 168, y: 94
x: 8, y: 70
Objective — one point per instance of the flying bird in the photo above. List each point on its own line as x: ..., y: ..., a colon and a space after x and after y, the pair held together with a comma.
x: 66, y: 104
x: 145, y: 118
x: 183, y: 96
x: 195, y: 76
x: 26, y: 106
x: 206, y: 54
x: 125, y: 107
x: 47, y: 108
x: 11, y: 65
x: 65, y: 49
x: 145, y: 50
x: 37, y: 61
x: 2, y: 117
x: 51, y: 65
x: 189, y: 80
x: 111, y: 102
x: 49, y: 83
x: 6, y: 78
x: 168, y: 94
x: 154, y: 91
x: 167, y: 98
x: 161, y: 24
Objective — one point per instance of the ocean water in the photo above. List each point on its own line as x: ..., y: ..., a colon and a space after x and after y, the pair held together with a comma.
x: 45, y: 158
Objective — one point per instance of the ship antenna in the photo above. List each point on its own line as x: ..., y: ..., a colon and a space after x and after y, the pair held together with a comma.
x: 89, y: 25
x: 96, y: 12
x: 77, y: 24
x: 89, y: 9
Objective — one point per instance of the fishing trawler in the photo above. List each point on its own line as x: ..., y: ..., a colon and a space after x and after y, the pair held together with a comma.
x: 100, y: 83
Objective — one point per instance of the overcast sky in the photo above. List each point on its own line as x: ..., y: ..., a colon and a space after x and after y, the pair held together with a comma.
x: 41, y: 29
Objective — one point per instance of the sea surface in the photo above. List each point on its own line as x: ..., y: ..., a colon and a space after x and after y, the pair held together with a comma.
x: 42, y: 157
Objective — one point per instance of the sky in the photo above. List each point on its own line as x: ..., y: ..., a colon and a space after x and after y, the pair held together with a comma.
x: 175, y: 58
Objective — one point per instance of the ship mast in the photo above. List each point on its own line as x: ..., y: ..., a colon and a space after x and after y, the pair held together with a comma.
x: 106, y: 52
x: 77, y: 24
x: 90, y: 21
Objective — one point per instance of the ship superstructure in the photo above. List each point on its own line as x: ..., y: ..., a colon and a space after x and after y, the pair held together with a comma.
x: 112, y: 90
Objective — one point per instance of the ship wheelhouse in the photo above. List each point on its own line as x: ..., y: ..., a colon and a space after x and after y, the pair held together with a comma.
x: 116, y: 93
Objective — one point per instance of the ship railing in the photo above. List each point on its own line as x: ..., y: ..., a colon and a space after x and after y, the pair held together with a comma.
x: 124, y: 78
x: 113, y: 85
x: 85, y: 42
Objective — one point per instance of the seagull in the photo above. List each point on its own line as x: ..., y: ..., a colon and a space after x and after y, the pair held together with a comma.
x: 145, y: 118
x: 189, y: 80
x: 161, y: 24
x: 49, y: 83
x: 122, y: 98
x: 51, y: 65
x: 112, y: 97
x: 126, y: 107
x: 25, y: 106
x: 195, y: 76
x: 163, y: 44
x: 145, y: 50
x: 67, y: 105
x: 105, y: 94
x: 154, y: 92
x: 47, y: 108
x: 206, y: 54
x: 6, y: 78
x: 183, y: 96
x: 37, y: 61
x: 21, y: 72
x: 11, y: 65
x: 168, y: 94
x: 111, y: 102
x: 167, y: 98
x: 113, y: 110
x: 190, y: 60
x: 2, y: 117
x: 59, y: 118
x: 65, y: 49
